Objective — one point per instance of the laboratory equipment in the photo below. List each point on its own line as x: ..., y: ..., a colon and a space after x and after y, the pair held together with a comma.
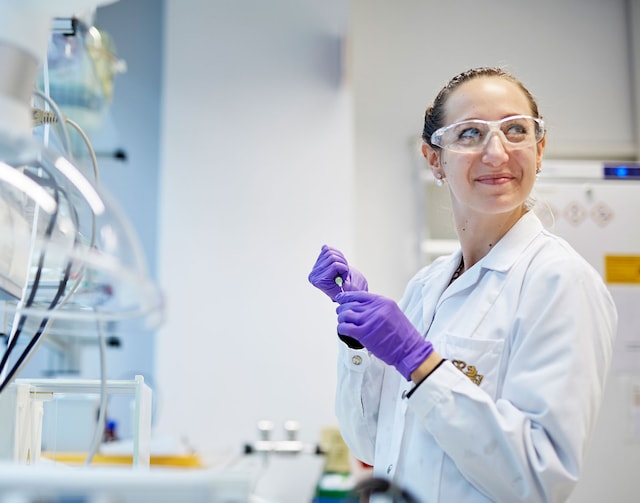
x: 78, y: 75
x: 71, y: 263
x: 22, y: 411
x: 80, y: 72
x: 336, y: 473
x: 266, y: 445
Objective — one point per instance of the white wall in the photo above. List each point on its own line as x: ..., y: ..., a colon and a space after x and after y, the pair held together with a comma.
x: 257, y: 174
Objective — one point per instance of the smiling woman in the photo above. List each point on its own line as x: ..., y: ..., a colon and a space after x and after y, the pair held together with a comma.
x: 480, y: 385
x: 488, y: 143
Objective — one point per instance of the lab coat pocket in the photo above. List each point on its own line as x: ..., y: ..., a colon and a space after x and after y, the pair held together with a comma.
x: 478, y: 359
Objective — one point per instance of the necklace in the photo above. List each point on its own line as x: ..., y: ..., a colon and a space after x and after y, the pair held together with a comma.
x: 458, y: 271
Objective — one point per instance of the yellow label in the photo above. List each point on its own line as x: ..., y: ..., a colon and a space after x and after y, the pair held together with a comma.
x: 622, y: 269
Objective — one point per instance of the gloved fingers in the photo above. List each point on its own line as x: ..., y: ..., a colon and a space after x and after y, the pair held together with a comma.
x: 361, y: 327
x: 349, y: 327
x: 352, y: 312
x: 359, y: 315
x: 324, y: 274
x: 368, y: 311
x: 355, y: 281
x: 326, y: 286
x: 330, y: 254
x: 330, y: 260
x: 359, y: 297
x: 329, y: 264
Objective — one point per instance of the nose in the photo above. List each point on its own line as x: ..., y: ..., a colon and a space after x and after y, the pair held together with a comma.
x: 494, y: 152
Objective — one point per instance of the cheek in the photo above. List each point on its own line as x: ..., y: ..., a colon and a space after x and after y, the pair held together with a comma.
x: 457, y: 170
x: 456, y: 166
x: 528, y: 162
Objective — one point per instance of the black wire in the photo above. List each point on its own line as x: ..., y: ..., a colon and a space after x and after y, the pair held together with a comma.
x: 39, y: 333
x: 34, y: 287
x: 60, y: 291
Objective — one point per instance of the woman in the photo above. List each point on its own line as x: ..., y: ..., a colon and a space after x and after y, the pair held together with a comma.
x: 484, y: 383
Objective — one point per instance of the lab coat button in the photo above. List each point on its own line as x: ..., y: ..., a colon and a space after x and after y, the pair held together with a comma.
x: 389, y: 468
x: 356, y: 360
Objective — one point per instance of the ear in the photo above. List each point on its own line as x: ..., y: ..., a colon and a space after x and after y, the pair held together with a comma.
x: 431, y: 155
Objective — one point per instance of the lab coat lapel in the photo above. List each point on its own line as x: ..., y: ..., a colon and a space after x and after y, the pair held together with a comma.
x: 512, y: 245
x: 492, y: 270
x: 434, y: 289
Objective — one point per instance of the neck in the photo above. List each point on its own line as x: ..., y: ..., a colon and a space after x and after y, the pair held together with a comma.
x: 479, y: 233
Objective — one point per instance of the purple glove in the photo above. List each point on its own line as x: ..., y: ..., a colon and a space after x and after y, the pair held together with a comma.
x: 331, y: 263
x: 378, y: 323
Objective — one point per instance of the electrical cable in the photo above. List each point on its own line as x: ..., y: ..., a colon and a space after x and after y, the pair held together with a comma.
x: 44, y: 325
x: 19, y: 325
x: 87, y: 142
x: 48, y: 117
x: 38, y: 338
x: 58, y: 300
x: 34, y: 288
x: 102, y: 408
x: 58, y: 117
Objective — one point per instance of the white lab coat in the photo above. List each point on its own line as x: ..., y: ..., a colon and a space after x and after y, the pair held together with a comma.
x: 528, y: 334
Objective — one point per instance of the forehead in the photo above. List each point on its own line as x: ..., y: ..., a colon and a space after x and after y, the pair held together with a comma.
x: 488, y: 98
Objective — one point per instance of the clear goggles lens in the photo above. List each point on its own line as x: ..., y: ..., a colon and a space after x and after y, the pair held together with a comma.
x: 518, y: 131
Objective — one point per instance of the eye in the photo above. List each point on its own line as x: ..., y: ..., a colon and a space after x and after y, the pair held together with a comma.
x: 517, y: 131
x: 469, y: 135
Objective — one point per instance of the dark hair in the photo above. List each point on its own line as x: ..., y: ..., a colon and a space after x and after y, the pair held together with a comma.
x: 434, y: 115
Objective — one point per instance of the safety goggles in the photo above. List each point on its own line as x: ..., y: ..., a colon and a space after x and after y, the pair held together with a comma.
x: 516, y: 132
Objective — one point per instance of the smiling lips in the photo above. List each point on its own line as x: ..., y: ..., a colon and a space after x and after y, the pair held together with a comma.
x: 496, y: 179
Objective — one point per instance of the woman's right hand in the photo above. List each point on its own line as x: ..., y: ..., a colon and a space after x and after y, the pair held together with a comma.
x: 330, y: 264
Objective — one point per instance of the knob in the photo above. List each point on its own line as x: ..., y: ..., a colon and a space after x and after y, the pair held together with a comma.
x: 291, y: 428
x: 264, y: 429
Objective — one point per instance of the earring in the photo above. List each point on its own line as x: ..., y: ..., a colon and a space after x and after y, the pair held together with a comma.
x: 439, y: 180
